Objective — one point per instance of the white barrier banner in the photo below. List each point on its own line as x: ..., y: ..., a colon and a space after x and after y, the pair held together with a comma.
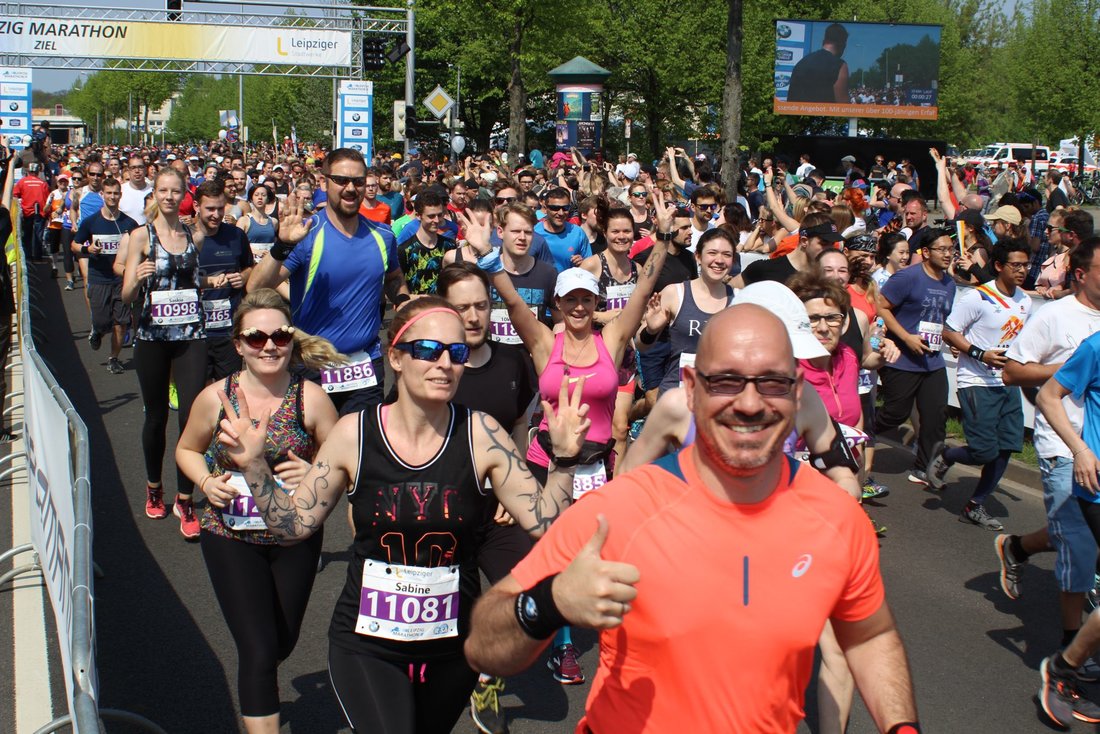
x: 101, y: 39
x: 50, y: 482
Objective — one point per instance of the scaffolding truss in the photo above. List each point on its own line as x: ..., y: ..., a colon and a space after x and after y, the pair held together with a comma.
x: 359, y: 21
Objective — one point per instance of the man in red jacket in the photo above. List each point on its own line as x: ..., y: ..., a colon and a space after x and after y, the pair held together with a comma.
x: 32, y: 193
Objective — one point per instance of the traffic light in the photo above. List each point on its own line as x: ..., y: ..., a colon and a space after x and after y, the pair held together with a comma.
x: 175, y: 8
x: 374, y: 54
x: 399, y: 119
x: 410, y: 122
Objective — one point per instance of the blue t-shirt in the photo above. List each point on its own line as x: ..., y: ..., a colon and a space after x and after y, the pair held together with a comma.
x: 396, y: 202
x: 226, y: 251
x: 565, y: 244
x: 1081, y: 376
x: 921, y: 306
x: 320, y: 196
x: 95, y: 229
x: 341, y: 299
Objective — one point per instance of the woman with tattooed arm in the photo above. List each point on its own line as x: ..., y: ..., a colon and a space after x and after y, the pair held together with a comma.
x: 261, y: 586
x: 418, y: 474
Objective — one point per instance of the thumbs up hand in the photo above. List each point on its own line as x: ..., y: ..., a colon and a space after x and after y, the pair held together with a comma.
x: 592, y: 592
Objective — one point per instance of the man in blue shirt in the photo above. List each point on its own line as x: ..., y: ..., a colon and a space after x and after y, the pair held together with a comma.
x: 568, y: 242
x: 339, y: 264
x: 914, y: 304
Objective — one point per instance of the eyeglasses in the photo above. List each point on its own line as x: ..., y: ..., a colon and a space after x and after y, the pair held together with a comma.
x: 1017, y: 266
x: 942, y: 250
x: 371, y: 185
x: 258, y: 339
x: 638, y: 194
x: 557, y: 207
x: 342, y: 181
x: 774, y: 386
x: 429, y: 350
x: 832, y: 319
x: 502, y: 200
x: 1052, y: 228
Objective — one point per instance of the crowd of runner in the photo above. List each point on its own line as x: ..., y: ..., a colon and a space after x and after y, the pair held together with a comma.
x: 694, y: 367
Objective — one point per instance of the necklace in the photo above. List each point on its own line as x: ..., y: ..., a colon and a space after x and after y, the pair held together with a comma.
x: 580, y: 353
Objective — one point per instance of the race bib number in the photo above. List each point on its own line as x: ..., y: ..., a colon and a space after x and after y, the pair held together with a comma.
x: 219, y: 313
x: 588, y: 477
x: 108, y: 243
x: 618, y: 295
x: 408, y: 603
x: 260, y: 250
x: 931, y: 333
x: 500, y: 326
x: 171, y: 308
x: 687, y: 359
x: 357, y: 374
x: 241, y: 512
x: 866, y: 381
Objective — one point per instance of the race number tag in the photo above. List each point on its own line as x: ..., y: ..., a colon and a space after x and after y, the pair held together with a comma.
x: 260, y: 249
x: 357, y: 373
x: 171, y: 308
x: 241, y: 512
x: 500, y: 326
x: 687, y: 359
x: 931, y: 334
x: 408, y: 603
x: 866, y: 381
x: 219, y: 313
x: 588, y: 477
x: 108, y: 243
x: 618, y: 295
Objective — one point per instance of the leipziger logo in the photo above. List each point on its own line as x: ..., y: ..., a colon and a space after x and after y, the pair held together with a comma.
x: 303, y: 47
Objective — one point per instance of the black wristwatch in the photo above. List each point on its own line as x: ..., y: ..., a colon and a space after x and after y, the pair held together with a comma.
x: 281, y: 250
x: 665, y: 236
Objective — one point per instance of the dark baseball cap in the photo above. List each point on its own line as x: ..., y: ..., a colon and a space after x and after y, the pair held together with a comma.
x: 826, y: 231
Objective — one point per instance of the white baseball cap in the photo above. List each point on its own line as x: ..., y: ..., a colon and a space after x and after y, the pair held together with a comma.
x: 781, y: 301
x: 575, y: 279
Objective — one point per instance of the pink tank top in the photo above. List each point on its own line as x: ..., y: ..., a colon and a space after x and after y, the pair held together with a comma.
x: 838, y: 385
x: 600, y: 390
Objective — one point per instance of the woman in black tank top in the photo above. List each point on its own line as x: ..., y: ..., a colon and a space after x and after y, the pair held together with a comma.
x: 418, y: 474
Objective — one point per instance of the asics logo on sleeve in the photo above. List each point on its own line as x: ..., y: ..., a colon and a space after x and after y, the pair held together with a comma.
x: 802, y: 566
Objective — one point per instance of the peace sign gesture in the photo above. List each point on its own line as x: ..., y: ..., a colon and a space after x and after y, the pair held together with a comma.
x: 292, y: 225
x: 243, y: 438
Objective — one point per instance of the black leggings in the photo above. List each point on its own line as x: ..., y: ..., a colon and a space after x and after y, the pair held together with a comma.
x: 386, y: 697
x: 263, y: 591
x: 157, y: 362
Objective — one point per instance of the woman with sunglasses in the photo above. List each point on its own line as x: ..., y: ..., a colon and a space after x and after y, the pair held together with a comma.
x: 640, y: 213
x: 261, y: 586
x: 419, y: 475
x: 685, y: 308
x: 162, y: 274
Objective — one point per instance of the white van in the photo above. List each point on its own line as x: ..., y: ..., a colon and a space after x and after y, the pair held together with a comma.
x: 1001, y: 153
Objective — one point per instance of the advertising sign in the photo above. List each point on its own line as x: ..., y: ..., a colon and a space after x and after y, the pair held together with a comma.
x: 15, y: 106
x: 354, y: 116
x: 167, y: 41
x: 874, y: 70
x: 579, y: 119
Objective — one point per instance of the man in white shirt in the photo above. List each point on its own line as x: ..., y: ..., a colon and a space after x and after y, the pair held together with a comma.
x: 134, y: 191
x: 1049, y: 338
x: 983, y: 324
x: 804, y: 168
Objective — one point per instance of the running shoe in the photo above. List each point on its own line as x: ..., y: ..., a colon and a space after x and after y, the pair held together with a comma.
x: 636, y: 429
x: 154, y: 503
x: 69, y: 285
x: 937, y: 467
x: 978, y: 516
x: 95, y: 340
x: 916, y: 476
x: 189, y: 524
x: 1010, y: 567
x: 880, y: 530
x: 173, y: 396
x: 1089, y: 672
x: 1062, y: 700
x: 563, y: 663
x: 873, y: 490
x: 485, y: 707
x: 115, y: 366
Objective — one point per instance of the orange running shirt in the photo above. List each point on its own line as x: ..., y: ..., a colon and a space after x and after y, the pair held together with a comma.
x: 731, y: 601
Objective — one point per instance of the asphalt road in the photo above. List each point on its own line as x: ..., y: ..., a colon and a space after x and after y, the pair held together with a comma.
x: 164, y: 651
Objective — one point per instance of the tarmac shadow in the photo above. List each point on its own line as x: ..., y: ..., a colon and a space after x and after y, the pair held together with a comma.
x: 316, y: 709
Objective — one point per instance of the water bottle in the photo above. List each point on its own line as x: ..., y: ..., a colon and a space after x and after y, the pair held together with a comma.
x: 877, y: 332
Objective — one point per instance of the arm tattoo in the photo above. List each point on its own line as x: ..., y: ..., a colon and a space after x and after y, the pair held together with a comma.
x: 544, y: 506
x: 648, y: 268
x: 288, y: 515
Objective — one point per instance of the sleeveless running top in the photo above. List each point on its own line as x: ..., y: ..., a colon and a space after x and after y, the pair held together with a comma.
x: 170, y: 310
x: 614, y: 293
x: 286, y: 432
x: 90, y: 203
x: 684, y: 332
x: 600, y: 390
x: 426, y: 516
x: 260, y: 236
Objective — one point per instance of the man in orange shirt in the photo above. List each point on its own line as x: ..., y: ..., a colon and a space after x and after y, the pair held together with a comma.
x: 372, y: 207
x: 688, y: 567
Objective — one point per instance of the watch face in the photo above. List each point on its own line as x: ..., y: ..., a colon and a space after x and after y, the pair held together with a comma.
x: 530, y: 609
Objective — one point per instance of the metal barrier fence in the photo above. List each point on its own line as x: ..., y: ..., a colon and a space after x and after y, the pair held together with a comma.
x: 62, y: 536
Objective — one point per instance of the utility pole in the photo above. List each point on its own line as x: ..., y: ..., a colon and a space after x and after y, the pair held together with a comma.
x: 410, y: 65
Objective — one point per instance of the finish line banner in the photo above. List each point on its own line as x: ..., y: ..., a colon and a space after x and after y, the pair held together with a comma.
x: 105, y: 39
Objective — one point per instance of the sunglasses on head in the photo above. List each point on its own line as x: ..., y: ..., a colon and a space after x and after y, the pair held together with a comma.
x: 258, y: 339
x: 429, y: 350
x: 357, y: 181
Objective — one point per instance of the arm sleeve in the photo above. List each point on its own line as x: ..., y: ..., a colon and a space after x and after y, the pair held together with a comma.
x: 1078, y: 374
